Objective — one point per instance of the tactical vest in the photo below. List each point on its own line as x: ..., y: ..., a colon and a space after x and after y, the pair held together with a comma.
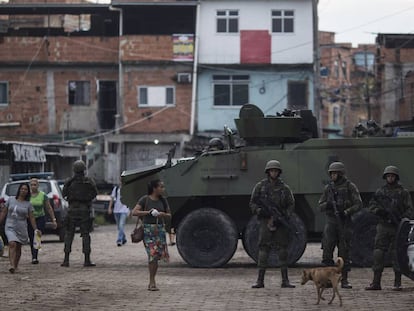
x: 81, y: 189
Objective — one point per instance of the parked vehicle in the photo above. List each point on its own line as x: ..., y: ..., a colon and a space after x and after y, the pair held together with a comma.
x: 405, y: 247
x: 209, y: 194
x: 100, y: 206
x: 51, y: 188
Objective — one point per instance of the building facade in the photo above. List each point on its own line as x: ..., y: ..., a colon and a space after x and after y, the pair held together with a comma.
x: 257, y: 52
x: 348, y: 86
x: 395, y: 76
x: 130, y: 79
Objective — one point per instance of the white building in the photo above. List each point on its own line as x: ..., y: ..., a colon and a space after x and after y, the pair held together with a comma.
x: 259, y: 52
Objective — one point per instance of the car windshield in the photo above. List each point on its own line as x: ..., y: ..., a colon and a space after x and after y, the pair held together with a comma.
x: 11, y: 189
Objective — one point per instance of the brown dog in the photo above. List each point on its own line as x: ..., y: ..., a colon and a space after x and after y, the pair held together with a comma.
x: 325, y: 277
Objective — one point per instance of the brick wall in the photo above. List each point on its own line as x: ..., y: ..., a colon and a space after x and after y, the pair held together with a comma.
x: 397, y: 55
x: 147, y: 48
x: 59, y: 49
x: 174, y: 119
x: 40, y: 106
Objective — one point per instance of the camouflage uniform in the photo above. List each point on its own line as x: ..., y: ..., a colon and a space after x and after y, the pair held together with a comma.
x: 390, y: 203
x: 79, y: 191
x: 338, y: 228
x: 278, y: 193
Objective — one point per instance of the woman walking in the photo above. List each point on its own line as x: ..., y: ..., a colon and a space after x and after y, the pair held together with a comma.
x: 18, y: 209
x: 154, y: 210
x: 40, y: 203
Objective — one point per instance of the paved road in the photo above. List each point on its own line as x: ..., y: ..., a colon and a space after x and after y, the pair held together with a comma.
x: 119, y: 282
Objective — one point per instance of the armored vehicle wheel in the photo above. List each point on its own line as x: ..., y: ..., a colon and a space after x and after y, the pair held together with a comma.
x: 207, y: 238
x: 297, y: 243
x: 363, y: 238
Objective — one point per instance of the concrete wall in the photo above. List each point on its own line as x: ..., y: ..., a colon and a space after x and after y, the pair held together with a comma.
x: 272, y: 100
x: 286, y: 48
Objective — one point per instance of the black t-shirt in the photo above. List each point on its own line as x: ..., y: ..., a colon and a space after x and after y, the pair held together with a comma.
x: 161, y: 205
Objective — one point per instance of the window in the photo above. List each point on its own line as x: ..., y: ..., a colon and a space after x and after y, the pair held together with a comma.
x: 156, y: 96
x: 79, y: 93
x: 297, y: 95
x: 283, y: 21
x: 335, y: 116
x: 4, y: 92
x: 230, y: 90
x: 344, y: 70
x: 336, y: 69
x: 227, y: 21
x: 324, y: 71
x: 365, y: 59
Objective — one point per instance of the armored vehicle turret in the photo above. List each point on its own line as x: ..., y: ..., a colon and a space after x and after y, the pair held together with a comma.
x: 209, y: 194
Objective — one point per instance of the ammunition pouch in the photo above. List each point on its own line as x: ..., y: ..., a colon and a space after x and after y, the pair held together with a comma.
x: 329, y: 205
x: 380, y: 212
x: 263, y: 212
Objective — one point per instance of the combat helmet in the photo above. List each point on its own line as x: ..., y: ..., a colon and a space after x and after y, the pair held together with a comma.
x: 215, y: 144
x: 337, y: 167
x: 79, y: 166
x: 273, y: 164
x: 391, y: 169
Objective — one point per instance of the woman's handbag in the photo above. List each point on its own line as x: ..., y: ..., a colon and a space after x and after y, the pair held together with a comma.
x: 137, y: 234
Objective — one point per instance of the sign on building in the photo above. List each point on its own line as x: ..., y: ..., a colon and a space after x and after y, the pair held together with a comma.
x: 28, y: 153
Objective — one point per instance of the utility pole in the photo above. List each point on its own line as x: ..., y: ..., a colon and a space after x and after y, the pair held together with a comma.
x: 367, y: 97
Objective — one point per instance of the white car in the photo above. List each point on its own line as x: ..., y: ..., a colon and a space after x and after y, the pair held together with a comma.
x: 51, y: 188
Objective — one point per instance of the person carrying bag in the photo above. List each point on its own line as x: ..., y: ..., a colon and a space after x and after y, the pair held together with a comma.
x: 154, y: 209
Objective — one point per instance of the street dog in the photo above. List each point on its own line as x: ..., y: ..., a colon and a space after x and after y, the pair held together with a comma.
x: 325, y: 277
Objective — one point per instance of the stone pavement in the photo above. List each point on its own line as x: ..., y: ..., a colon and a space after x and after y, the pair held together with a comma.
x: 119, y: 282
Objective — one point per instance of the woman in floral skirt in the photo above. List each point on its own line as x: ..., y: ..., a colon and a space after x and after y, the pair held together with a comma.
x: 154, y: 210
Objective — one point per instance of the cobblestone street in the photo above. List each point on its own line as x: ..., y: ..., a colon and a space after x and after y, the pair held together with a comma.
x: 119, y: 282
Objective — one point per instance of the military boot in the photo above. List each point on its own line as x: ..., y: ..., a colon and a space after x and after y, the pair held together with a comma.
x: 65, y: 262
x: 344, y: 281
x: 376, y: 283
x: 285, y: 279
x: 260, y: 279
x: 397, y: 281
x: 88, y: 262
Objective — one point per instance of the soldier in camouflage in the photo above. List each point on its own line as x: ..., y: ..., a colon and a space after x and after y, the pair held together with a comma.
x: 390, y: 203
x: 340, y: 200
x: 79, y: 190
x: 274, y: 190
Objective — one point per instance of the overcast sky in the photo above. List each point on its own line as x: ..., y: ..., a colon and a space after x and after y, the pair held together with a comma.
x: 358, y: 21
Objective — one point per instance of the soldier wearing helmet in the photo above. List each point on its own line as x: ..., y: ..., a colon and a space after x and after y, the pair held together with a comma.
x: 79, y: 190
x: 390, y: 203
x: 340, y: 200
x: 215, y: 144
x: 272, y: 189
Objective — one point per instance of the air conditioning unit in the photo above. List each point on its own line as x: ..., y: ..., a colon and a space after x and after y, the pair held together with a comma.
x: 183, y: 77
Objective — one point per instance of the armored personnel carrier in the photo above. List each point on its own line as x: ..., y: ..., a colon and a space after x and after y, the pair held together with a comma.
x: 209, y: 193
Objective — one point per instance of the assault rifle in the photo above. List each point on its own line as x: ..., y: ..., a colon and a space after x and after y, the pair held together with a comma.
x: 389, y: 205
x: 332, y: 200
x: 271, y: 209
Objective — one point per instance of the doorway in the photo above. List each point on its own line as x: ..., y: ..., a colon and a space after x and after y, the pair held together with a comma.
x: 107, y: 97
